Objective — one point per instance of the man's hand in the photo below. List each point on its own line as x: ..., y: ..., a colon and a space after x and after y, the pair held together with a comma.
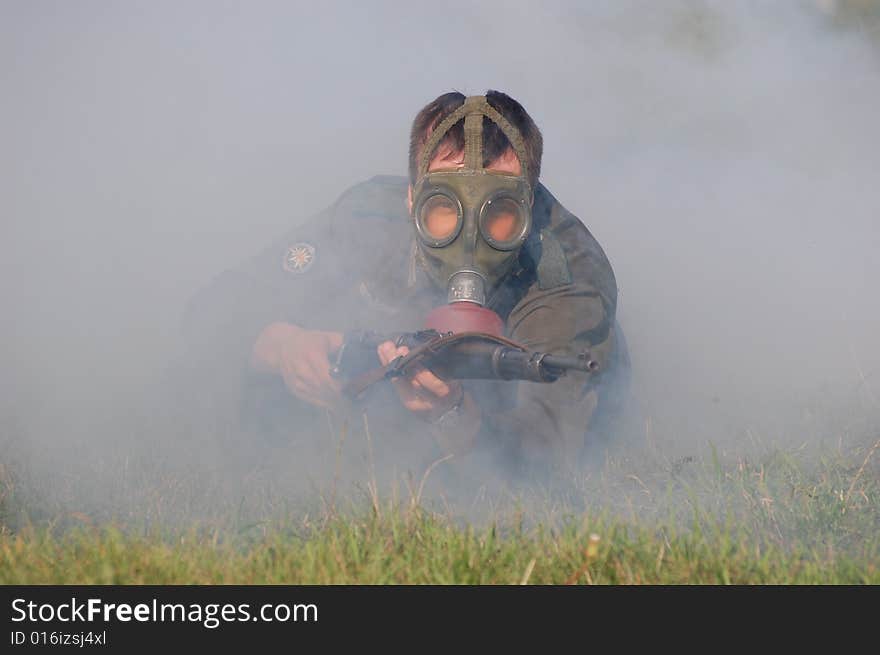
x: 302, y: 358
x: 429, y: 397
x: 420, y: 391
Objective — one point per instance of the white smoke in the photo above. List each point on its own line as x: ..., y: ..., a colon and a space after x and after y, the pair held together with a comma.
x: 725, y: 154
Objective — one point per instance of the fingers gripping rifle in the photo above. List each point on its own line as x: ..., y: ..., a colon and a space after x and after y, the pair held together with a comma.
x: 460, y: 356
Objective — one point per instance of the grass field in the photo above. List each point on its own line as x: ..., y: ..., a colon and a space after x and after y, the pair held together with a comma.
x: 784, y: 518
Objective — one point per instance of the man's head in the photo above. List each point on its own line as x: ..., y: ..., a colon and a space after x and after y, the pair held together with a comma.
x: 473, y: 171
x: 497, y: 150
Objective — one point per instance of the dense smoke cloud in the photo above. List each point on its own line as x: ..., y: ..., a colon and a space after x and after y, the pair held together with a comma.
x: 724, y: 154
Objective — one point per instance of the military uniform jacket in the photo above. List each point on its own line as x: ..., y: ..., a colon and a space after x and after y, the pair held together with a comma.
x: 356, y: 266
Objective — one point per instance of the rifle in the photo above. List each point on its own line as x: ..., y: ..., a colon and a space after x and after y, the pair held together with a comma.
x: 458, y: 356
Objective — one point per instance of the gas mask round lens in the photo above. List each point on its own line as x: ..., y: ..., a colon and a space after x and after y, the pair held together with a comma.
x: 439, y: 220
x: 503, y: 222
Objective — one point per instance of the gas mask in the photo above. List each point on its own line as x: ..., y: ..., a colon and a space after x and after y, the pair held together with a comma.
x: 471, y: 222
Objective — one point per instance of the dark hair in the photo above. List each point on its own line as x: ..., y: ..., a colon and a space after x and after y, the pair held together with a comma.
x: 495, y: 143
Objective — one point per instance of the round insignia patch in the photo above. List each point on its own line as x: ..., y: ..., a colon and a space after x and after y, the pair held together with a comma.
x: 299, y: 257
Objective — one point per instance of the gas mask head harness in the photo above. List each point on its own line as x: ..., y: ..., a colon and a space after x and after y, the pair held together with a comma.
x: 471, y: 222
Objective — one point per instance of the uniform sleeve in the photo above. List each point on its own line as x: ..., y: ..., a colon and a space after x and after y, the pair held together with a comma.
x: 211, y: 376
x: 222, y: 320
x: 547, y: 423
x: 306, y: 277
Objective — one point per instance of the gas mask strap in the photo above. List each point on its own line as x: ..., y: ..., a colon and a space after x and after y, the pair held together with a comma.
x: 473, y: 142
x: 512, y: 134
x: 473, y: 110
x: 437, y: 136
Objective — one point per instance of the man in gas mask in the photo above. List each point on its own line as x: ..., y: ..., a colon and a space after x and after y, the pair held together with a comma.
x: 472, y: 227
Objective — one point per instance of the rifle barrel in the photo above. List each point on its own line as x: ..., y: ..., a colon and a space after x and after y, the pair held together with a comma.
x: 511, y: 364
x: 569, y: 363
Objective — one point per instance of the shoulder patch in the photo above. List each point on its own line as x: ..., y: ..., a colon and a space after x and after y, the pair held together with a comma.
x: 552, y: 265
x: 299, y: 257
